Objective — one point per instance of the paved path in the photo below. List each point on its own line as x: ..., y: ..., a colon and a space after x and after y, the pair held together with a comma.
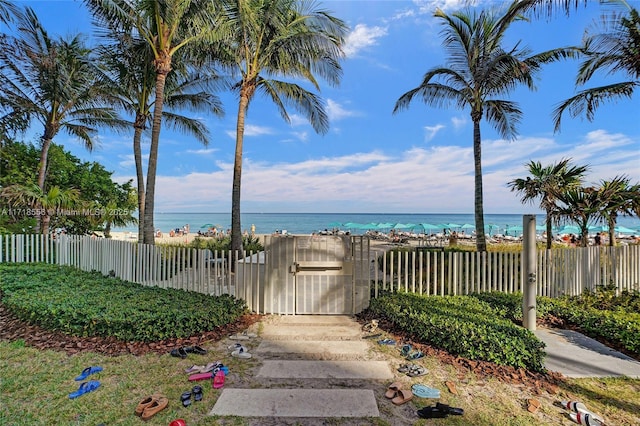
x: 576, y: 355
x: 311, y: 347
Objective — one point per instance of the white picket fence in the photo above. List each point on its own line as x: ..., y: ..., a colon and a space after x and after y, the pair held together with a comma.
x: 560, y: 271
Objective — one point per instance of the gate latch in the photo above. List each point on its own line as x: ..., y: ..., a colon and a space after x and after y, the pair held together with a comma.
x: 293, y: 268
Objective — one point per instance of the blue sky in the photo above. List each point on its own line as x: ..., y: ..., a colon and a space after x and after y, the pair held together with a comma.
x: 419, y: 160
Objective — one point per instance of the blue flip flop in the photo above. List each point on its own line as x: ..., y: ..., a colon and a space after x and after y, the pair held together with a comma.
x: 422, y: 391
x: 85, y: 387
x: 87, y: 372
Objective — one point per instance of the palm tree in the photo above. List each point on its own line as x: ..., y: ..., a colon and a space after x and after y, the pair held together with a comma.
x: 615, y: 50
x: 581, y: 206
x: 8, y: 10
x: 52, y: 81
x: 269, y: 40
x: 545, y: 183
x: 133, y: 79
x: 167, y: 26
x: 618, y: 197
x: 480, y: 69
x: 42, y: 204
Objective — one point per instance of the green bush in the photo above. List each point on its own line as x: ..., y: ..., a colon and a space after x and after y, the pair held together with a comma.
x: 599, y: 315
x: 88, y: 304
x: 463, y: 326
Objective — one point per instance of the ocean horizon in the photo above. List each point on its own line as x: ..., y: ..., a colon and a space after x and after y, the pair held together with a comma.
x: 308, y: 223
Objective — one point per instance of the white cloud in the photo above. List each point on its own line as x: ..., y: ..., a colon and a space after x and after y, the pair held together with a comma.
x: 336, y: 112
x: 431, y: 131
x: 362, y: 37
x: 429, y: 6
x: 252, y: 130
x: 458, y: 122
x: 204, y: 151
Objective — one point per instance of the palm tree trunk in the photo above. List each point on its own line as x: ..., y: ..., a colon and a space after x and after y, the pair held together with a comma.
x: 549, y: 229
x: 45, y: 224
x: 481, y: 241
x: 236, y: 233
x: 611, y: 222
x: 163, y: 66
x: 42, y: 174
x: 137, y: 154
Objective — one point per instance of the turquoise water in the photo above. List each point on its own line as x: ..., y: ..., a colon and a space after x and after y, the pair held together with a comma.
x: 307, y: 223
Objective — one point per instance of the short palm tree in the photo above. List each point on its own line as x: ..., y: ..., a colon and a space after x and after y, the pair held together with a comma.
x: 167, y: 26
x: 615, y: 50
x: 545, y: 183
x: 133, y: 80
x: 618, y: 197
x: 44, y: 205
x: 581, y: 206
x: 480, y: 69
x: 266, y: 41
x: 52, y: 81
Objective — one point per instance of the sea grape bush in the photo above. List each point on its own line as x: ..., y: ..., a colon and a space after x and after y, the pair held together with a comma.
x: 88, y: 304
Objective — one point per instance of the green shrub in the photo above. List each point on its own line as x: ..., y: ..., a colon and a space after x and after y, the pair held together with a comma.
x: 88, y: 304
x: 463, y: 326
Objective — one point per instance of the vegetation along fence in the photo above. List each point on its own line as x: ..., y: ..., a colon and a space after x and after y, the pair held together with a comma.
x: 560, y: 271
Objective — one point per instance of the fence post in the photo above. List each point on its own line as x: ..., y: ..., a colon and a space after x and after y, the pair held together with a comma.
x: 529, y: 278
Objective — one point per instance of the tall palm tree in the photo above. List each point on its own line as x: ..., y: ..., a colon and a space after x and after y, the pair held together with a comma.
x: 478, y: 70
x: 52, y: 81
x: 132, y: 78
x: 8, y: 10
x: 273, y: 39
x: 43, y: 204
x: 167, y: 26
x: 618, y: 197
x: 615, y: 50
x: 545, y: 183
x: 581, y: 206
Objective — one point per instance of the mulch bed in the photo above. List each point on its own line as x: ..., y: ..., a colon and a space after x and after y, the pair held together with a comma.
x: 538, y: 382
x: 12, y: 329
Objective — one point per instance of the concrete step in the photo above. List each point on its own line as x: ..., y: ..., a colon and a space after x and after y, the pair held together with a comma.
x: 323, y: 403
x: 314, y: 320
x: 314, y: 349
x: 287, y: 369
x: 309, y: 332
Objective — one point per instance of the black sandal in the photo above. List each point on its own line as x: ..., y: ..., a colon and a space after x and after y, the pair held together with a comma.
x: 431, y: 413
x: 196, y: 350
x: 197, y: 393
x: 449, y: 410
x: 179, y: 353
x: 186, y: 399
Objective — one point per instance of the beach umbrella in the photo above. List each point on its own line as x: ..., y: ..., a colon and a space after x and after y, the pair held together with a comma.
x: 569, y: 229
x: 468, y: 226
x: 335, y: 225
x: 206, y: 225
x: 385, y: 225
x: 352, y: 225
x: 370, y: 226
x: 403, y: 225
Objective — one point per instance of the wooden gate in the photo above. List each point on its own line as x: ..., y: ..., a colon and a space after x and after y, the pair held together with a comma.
x: 318, y: 274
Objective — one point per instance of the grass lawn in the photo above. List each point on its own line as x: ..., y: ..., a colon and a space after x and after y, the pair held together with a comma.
x: 36, y: 383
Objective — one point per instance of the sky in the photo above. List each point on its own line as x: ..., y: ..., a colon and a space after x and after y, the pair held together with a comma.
x: 419, y: 160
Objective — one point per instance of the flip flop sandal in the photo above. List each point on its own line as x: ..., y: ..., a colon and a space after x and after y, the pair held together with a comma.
x: 371, y: 326
x: 404, y: 351
x: 241, y: 353
x: 200, y: 376
x: 197, y: 393
x: 415, y: 355
x: 211, y: 366
x: 218, y: 380
x: 422, y: 391
x: 402, y: 397
x: 87, y: 372
x: 85, y: 387
x: 452, y: 387
x: 404, y: 368
x: 449, y: 410
x: 392, y: 390
x: 386, y: 342
x: 235, y: 347
x: 185, y: 398
x: 431, y: 413
x: 179, y: 353
x: 194, y: 369
x: 195, y: 350
x: 417, y: 371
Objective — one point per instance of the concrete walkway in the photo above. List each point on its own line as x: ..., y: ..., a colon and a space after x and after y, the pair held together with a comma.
x: 576, y: 355
x: 310, y: 347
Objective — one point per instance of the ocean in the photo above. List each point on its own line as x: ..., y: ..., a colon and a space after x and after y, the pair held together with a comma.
x: 307, y: 223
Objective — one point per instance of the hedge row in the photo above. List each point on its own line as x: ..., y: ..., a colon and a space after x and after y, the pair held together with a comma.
x: 463, y: 326
x: 88, y: 304
x: 620, y: 324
